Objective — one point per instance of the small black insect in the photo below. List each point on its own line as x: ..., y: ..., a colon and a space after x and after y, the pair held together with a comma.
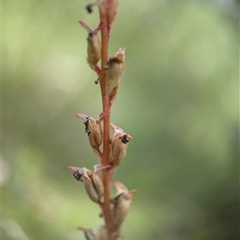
x: 78, y: 175
x: 89, y: 8
x: 96, y: 81
x: 124, y: 139
x: 86, y: 123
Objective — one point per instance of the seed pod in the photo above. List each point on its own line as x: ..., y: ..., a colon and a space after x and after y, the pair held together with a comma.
x: 118, y: 147
x: 93, y: 49
x: 93, y: 129
x: 121, y: 204
x: 114, y: 69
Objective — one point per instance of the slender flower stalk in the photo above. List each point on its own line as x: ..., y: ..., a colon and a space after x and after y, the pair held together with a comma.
x: 111, y: 151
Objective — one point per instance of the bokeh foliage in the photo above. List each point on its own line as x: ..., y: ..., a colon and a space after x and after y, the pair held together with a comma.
x: 178, y: 99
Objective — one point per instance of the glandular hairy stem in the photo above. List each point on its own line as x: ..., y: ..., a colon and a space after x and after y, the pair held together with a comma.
x: 106, y: 122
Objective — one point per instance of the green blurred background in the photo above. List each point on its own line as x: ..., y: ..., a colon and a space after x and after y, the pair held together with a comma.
x: 178, y: 99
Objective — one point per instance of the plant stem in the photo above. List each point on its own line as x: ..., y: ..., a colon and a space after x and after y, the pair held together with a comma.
x: 106, y: 123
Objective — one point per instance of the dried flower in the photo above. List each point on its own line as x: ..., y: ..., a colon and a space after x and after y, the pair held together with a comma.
x: 121, y: 203
x: 114, y: 69
x: 93, y: 128
x: 92, y: 182
x: 119, y: 147
x: 109, y: 75
x: 93, y: 46
x: 93, y: 49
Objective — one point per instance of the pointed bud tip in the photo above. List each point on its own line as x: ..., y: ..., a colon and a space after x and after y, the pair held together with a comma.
x: 73, y: 168
x: 119, y: 185
x: 81, y: 116
x: 85, y: 26
x: 81, y: 229
x: 133, y: 192
x: 116, y: 128
x: 121, y: 50
x: 129, y: 137
x: 120, y: 54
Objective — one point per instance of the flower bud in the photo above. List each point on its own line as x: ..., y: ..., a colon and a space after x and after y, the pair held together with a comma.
x: 93, y: 129
x: 92, y: 182
x: 111, y: 12
x: 114, y: 69
x: 121, y: 203
x: 118, y: 147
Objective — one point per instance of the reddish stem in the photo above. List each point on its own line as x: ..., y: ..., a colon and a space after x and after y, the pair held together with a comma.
x: 106, y: 122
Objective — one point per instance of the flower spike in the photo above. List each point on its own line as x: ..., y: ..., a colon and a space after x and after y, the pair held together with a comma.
x: 113, y: 150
